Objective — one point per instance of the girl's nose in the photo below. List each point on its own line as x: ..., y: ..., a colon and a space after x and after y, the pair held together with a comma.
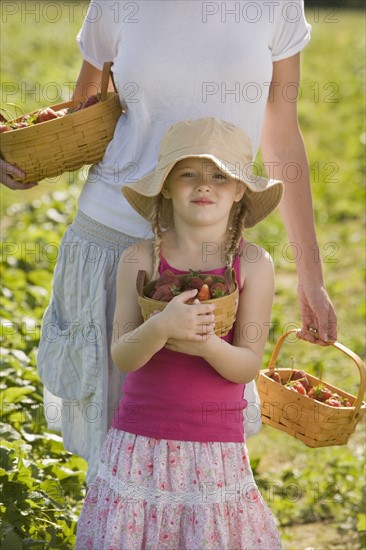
x: 203, y: 183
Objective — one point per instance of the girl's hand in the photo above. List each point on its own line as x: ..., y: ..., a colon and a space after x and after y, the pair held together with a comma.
x: 8, y: 170
x: 319, y: 321
x: 181, y: 321
x: 199, y: 349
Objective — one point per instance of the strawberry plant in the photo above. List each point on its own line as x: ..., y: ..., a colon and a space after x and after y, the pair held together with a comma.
x: 42, y: 485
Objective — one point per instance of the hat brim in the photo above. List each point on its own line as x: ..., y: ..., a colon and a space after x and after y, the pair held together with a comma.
x: 261, y: 197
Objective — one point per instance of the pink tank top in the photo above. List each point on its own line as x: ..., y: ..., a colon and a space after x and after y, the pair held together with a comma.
x: 181, y: 397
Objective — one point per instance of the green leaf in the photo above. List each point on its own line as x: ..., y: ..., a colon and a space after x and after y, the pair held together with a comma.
x: 12, y: 541
x: 361, y: 522
x: 15, y: 395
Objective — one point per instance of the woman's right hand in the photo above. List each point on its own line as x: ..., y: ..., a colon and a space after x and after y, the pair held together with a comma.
x: 8, y: 170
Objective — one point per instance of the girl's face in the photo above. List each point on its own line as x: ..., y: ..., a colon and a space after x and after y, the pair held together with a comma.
x: 200, y: 193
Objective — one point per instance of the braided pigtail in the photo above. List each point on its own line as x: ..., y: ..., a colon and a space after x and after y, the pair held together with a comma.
x: 237, y: 231
x: 156, y: 227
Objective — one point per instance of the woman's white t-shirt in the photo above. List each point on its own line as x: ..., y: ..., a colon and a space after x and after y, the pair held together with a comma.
x: 175, y: 60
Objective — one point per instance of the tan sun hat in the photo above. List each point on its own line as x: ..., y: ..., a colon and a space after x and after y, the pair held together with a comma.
x: 226, y: 145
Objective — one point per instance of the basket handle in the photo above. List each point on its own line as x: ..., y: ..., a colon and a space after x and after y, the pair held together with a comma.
x: 106, y: 75
x: 140, y: 281
x: 343, y: 349
x: 230, y: 279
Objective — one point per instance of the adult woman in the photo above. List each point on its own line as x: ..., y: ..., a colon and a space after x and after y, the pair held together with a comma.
x: 172, y: 61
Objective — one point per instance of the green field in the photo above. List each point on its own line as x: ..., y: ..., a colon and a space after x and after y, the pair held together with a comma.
x: 317, y: 495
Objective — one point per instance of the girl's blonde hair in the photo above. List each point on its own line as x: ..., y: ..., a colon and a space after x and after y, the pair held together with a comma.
x: 236, y: 232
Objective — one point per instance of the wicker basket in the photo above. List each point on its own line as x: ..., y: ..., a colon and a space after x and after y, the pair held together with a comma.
x: 48, y: 149
x: 312, y: 422
x: 226, y: 307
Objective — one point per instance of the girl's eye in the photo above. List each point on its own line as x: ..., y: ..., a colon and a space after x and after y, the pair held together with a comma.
x: 188, y: 175
x: 219, y: 176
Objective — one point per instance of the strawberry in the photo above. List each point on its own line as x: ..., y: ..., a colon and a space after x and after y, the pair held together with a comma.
x: 320, y: 393
x: 217, y: 290
x: 301, y: 375
x: 62, y: 112
x: 165, y: 293
x: 297, y: 386
x: 91, y: 100
x: 204, y: 293
x: 168, y: 278
x: 333, y: 402
x: 194, y: 282
x: 4, y: 128
x: 46, y: 114
x: 78, y: 107
x: 276, y: 377
x: 345, y: 402
x: 208, y: 280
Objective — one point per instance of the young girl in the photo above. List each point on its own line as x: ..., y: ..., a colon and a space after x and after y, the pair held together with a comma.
x: 174, y: 471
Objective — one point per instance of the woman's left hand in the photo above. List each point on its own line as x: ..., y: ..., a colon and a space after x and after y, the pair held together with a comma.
x: 319, y: 320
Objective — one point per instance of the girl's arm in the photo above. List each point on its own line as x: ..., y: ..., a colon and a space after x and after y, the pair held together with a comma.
x: 282, y: 143
x: 239, y: 362
x: 135, y: 341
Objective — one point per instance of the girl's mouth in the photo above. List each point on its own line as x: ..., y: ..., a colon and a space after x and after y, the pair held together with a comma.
x: 202, y: 202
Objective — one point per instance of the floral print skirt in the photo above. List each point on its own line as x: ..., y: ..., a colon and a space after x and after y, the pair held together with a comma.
x: 157, y: 494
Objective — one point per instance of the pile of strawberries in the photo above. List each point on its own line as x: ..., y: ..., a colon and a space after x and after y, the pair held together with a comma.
x: 169, y: 285
x: 299, y: 383
x: 43, y: 115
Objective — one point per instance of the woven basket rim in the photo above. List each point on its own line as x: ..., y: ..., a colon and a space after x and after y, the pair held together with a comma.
x: 65, y: 120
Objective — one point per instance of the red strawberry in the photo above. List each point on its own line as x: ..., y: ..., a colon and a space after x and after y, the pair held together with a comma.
x: 297, y: 386
x: 91, y: 100
x: 276, y: 377
x: 194, y: 282
x: 345, y: 402
x: 320, y: 393
x: 192, y: 276
x: 165, y: 293
x: 217, y: 290
x: 46, y: 114
x: 333, y: 402
x: 168, y: 278
x: 62, y: 112
x: 208, y: 280
x: 301, y: 375
x: 4, y: 128
x: 204, y: 293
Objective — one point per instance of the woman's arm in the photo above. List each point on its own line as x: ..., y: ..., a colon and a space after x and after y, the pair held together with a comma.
x: 88, y: 81
x: 282, y: 143
x: 240, y: 361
